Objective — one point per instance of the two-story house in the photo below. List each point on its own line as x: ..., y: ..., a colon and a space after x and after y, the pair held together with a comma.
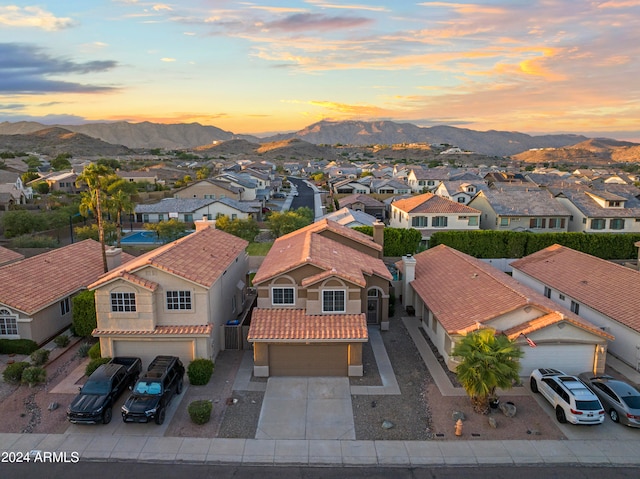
x: 210, y: 189
x: 365, y: 203
x: 602, y: 292
x: 318, y: 289
x: 426, y: 179
x: 455, y: 294
x: 429, y: 213
x: 174, y: 300
x: 460, y: 191
x: 520, y: 208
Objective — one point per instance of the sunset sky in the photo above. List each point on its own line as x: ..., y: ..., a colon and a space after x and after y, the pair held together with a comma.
x: 550, y: 66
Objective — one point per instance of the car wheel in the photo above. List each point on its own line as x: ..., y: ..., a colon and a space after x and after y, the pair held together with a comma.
x: 560, y: 416
x: 106, y: 416
x: 160, y: 416
x: 534, y: 385
x: 179, y: 387
x: 613, y: 414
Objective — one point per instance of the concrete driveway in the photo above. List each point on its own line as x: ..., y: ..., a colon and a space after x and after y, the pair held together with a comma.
x: 306, y: 408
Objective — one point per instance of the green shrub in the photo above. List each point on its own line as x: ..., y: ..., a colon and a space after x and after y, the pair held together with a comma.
x: 34, y: 375
x: 200, y: 371
x: 200, y: 411
x: 40, y: 356
x: 94, y: 351
x: 38, y: 241
x: 17, y: 346
x: 95, y: 364
x: 13, y: 373
x: 84, y: 313
x: 62, y: 341
x: 83, y: 350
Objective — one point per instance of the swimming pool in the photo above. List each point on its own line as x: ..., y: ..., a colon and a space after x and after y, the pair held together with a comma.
x: 141, y: 237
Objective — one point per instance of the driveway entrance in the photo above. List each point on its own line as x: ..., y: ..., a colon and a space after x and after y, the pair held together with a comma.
x: 306, y: 408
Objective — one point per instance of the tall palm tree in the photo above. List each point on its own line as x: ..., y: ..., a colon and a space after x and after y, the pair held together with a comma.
x: 488, y: 361
x: 96, y: 177
x: 119, y: 200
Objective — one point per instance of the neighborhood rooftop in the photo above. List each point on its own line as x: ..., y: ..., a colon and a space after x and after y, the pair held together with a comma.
x: 523, y: 202
x: 430, y: 203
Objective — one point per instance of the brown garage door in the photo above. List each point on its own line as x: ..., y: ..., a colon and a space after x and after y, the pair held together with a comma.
x: 308, y: 360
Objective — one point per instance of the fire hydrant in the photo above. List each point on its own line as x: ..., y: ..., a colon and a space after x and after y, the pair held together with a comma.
x: 459, y: 427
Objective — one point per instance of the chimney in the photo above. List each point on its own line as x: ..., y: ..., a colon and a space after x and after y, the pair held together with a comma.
x: 378, y: 233
x: 204, y: 223
x: 408, y: 275
x: 114, y: 258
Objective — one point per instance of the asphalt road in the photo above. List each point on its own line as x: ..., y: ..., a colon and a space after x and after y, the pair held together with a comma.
x: 305, y: 196
x: 120, y: 470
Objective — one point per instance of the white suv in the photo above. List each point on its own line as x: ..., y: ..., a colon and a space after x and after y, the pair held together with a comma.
x: 573, y: 401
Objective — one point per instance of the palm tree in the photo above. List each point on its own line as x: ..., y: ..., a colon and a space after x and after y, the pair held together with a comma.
x: 96, y: 177
x: 119, y: 200
x: 488, y: 361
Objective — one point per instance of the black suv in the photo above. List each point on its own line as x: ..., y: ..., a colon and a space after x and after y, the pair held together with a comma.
x: 154, y: 391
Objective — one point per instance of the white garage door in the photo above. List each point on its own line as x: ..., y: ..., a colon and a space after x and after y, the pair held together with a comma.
x: 147, y: 350
x: 570, y: 358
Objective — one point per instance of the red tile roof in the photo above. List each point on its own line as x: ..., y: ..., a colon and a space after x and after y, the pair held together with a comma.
x: 8, y: 256
x: 606, y: 287
x: 309, y: 246
x: 463, y: 291
x: 37, y: 282
x: 194, y: 330
x: 201, y: 257
x: 289, y: 325
x: 430, y: 203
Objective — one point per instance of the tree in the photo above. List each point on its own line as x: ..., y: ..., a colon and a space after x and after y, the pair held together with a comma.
x: 42, y: 187
x: 246, y: 229
x: 168, y: 230
x: 84, y: 313
x: 283, y: 223
x: 96, y: 177
x: 488, y: 361
x: 119, y: 201
x: 33, y: 162
x: 61, y: 162
x: 21, y: 222
x: 202, y: 173
x: 29, y: 176
x: 109, y: 162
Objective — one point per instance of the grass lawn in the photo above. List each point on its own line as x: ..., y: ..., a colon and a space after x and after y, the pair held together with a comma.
x: 259, y: 249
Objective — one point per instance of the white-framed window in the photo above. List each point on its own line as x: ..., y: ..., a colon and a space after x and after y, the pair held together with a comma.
x: 8, y: 323
x: 598, y: 224
x: 473, y: 221
x: 179, y: 300
x: 333, y: 301
x: 561, y: 296
x: 556, y: 222
x: 420, y: 221
x: 283, y: 296
x: 616, y: 224
x: 65, y: 306
x: 537, y: 223
x: 439, y: 221
x: 123, y: 302
x: 575, y: 307
x: 503, y: 221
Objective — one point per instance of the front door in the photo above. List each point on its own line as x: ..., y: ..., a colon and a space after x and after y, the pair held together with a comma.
x: 372, y: 306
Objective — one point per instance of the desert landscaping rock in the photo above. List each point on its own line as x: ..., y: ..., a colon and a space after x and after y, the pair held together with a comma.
x: 508, y: 409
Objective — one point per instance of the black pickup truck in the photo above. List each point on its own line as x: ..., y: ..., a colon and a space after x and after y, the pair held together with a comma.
x: 95, y: 401
x: 155, y: 389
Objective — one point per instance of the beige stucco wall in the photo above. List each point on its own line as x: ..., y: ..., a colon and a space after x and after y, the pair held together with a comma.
x: 42, y: 325
x: 202, y: 188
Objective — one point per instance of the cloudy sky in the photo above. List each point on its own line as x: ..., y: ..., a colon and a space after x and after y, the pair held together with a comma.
x: 533, y: 66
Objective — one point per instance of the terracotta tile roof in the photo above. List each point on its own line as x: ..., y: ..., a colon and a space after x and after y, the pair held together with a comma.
x: 463, y: 291
x: 309, y: 246
x: 611, y: 289
x: 430, y: 203
x: 201, y: 257
x: 145, y: 283
x: 287, y: 325
x: 8, y: 256
x: 34, y: 283
x: 180, y: 330
x: 549, y: 319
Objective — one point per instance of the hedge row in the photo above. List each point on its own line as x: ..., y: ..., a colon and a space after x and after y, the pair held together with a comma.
x: 515, y: 244
x: 17, y: 346
x: 397, y: 241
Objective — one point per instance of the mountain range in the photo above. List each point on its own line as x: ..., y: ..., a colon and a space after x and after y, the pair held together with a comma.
x: 148, y: 135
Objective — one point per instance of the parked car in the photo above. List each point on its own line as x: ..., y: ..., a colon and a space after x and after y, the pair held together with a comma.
x: 572, y: 400
x: 279, y: 195
x: 95, y: 401
x: 620, y: 399
x: 154, y: 391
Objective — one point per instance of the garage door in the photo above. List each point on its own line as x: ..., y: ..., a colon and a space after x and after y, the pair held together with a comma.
x: 572, y: 359
x: 147, y: 350
x: 308, y: 360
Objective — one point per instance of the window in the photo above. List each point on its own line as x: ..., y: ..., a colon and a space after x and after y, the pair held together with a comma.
x: 598, y: 224
x: 537, y: 223
x: 504, y: 221
x: 473, y: 221
x: 8, y: 323
x: 145, y: 218
x: 65, y: 306
x: 333, y: 301
x: 461, y: 199
x: 178, y: 300
x: 188, y: 217
x: 209, y: 197
x: 420, y: 221
x: 547, y: 292
x: 575, y: 307
x: 234, y: 216
x: 439, y: 221
x: 561, y: 296
x: 556, y: 222
x: 282, y: 296
x: 123, y: 302
x: 616, y: 224
x: 160, y: 217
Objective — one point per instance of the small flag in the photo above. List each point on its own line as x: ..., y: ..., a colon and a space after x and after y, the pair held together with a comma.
x: 529, y: 340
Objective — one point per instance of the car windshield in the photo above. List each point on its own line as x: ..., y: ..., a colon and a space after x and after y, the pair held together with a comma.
x: 96, y: 387
x: 632, y: 401
x: 588, y: 405
x: 144, y: 387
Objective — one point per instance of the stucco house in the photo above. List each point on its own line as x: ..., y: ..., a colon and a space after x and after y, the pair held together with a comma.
x: 188, y: 210
x: 365, y: 203
x: 9, y: 256
x: 426, y: 179
x: 602, y: 292
x: 36, y: 292
x: 318, y: 289
x: 454, y: 294
x: 350, y: 218
x: 460, y: 191
x: 175, y: 299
